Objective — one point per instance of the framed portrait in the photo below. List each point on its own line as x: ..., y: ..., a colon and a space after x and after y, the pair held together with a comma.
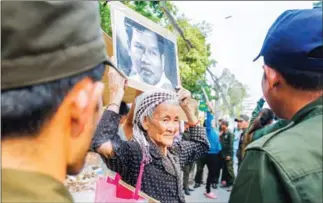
x: 143, y: 50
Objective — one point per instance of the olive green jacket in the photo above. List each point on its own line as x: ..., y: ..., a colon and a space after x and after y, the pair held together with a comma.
x: 23, y: 186
x: 267, y: 129
x: 256, y: 112
x: 227, y: 144
x: 286, y: 165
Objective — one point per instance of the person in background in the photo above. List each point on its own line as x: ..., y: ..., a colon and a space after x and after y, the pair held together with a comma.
x: 187, y: 169
x: 268, y: 125
x: 227, y: 155
x: 211, y: 158
x: 264, y: 119
x: 124, y: 110
x: 51, y: 93
x: 286, y: 165
x: 237, y: 134
x: 219, y: 124
x: 221, y: 162
x: 243, y: 123
x: 122, y: 132
x: 200, y: 164
x: 255, y: 113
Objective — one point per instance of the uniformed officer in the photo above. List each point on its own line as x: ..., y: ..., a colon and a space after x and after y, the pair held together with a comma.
x: 286, y: 165
x: 227, y: 139
x: 52, y: 60
x: 243, y: 123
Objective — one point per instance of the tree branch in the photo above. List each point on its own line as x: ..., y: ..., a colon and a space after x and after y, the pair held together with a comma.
x: 176, y: 26
x: 218, y: 87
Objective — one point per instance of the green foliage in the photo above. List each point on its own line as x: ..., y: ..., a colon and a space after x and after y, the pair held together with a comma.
x: 203, y: 106
x: 146, y: 8
x: 209, y: 90
x: 192, y: 62
x: 105, y: 18
x: 152, y: 10
x: 234, y: 91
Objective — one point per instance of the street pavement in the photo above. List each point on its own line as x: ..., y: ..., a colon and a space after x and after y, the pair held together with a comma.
x: 198, y: 195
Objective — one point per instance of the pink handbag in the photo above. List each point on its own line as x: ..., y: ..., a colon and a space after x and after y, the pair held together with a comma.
x: 115, y: 190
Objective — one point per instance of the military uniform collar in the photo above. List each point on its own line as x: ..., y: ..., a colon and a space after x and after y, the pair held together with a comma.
x: 310, y: 110
x: 32, y: 187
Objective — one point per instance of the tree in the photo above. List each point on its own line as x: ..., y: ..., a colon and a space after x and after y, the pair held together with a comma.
x: 149, y: 9
x: 193, y: 62
x: 229, y: 91
x: 193, y: 51
x: 105, y: 18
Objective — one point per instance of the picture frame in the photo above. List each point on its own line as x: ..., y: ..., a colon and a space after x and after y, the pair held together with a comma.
x: 148, y: 55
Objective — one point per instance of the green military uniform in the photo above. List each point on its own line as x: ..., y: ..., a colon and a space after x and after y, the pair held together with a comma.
x: 23, y: 186
x: 227, y: 150
x: 255, y: 112
x: 267, y: 129
x: 42, y: 48
x: 240, y: 147
x: 272, y: 170
x: 45, y: 41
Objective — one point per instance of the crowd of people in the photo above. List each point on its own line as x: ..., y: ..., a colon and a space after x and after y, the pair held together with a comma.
x: 53, y: 59
x: 221, y: 154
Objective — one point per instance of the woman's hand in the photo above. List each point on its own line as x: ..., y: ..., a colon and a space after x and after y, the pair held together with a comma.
x: 116, y: 89
x: 184, y: 97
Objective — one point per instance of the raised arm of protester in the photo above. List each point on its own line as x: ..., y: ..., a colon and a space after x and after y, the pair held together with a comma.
x: 155, y: 123
x: 256, y: 112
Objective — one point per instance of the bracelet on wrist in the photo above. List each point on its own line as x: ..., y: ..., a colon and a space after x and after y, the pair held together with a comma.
x: 111, y: 104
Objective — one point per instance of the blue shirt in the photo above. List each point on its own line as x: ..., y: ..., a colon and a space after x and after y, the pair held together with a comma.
x: 237, y: 134
x: 212, y: 136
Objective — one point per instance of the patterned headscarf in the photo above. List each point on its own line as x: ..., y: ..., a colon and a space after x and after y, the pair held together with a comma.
x: 145, y: 105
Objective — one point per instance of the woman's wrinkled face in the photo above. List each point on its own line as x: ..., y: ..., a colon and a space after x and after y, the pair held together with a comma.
x: 163, y: 125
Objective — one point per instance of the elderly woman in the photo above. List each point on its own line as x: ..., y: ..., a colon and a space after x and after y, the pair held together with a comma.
x: 155, y: 123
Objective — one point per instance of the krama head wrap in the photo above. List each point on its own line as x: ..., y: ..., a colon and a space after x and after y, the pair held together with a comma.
x: 145, y: 105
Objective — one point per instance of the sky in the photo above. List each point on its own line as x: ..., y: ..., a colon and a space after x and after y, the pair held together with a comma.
x: 236, y: 41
